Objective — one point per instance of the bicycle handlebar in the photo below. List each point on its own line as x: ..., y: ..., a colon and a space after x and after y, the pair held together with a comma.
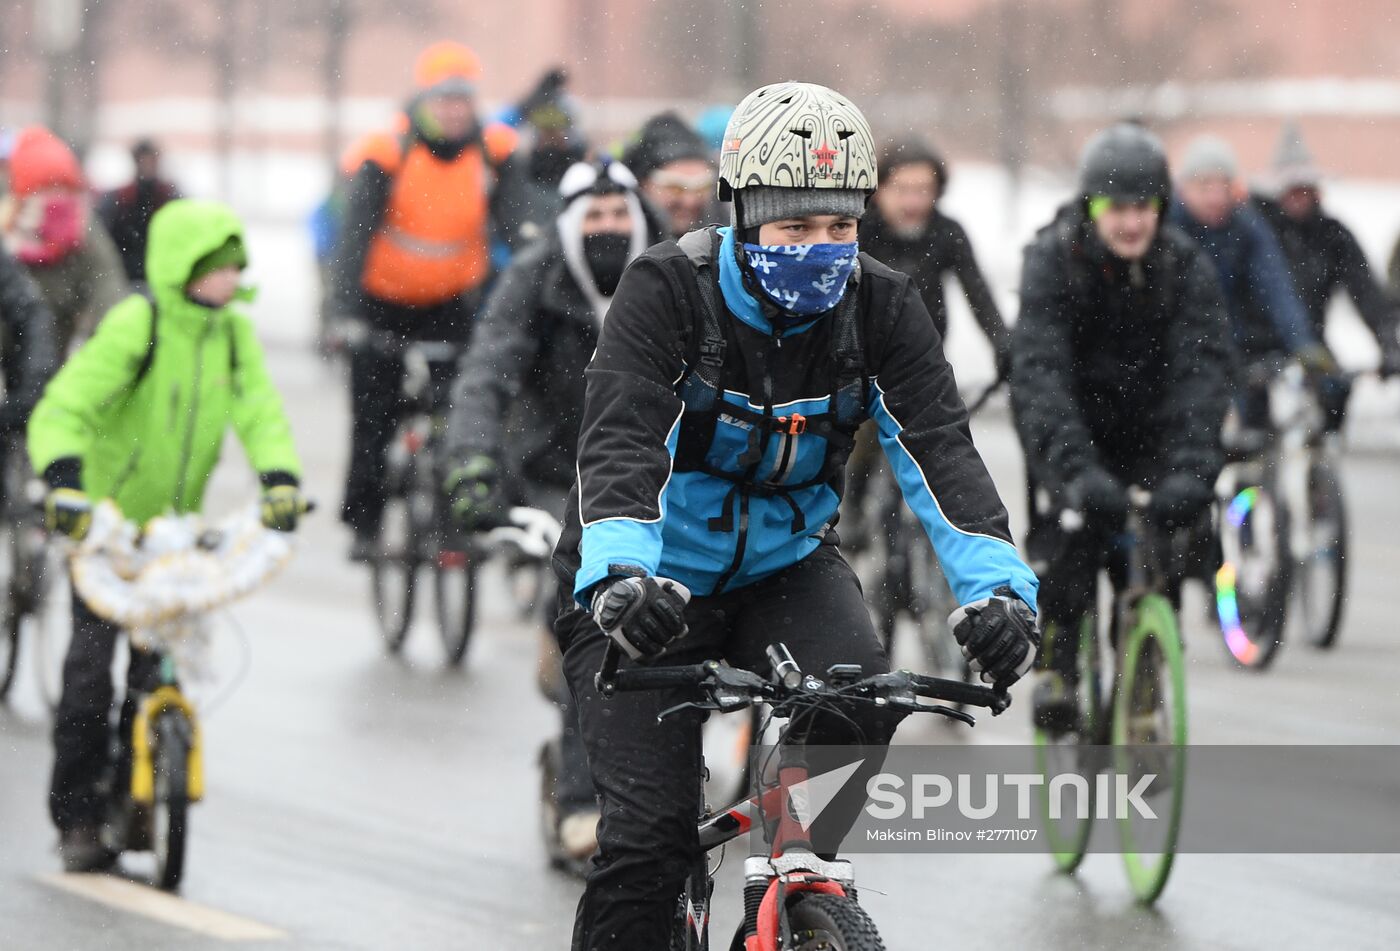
x: 732, y: 687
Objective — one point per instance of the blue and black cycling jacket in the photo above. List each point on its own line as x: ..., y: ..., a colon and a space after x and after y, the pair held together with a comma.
x: 635, y: 507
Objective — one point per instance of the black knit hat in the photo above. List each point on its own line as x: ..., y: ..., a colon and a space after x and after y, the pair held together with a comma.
x: 664, y: 139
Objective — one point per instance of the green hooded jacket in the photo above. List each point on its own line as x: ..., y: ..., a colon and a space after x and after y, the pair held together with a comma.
x: 150, y: 442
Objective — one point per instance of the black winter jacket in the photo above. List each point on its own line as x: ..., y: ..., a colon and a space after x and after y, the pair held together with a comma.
x: 1125, y: 366
x: 940, y: 251
x: 1323, y: 255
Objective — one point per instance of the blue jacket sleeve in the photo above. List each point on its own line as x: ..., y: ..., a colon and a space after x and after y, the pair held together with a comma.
x: 924, y: 432
x: 1273, y: 285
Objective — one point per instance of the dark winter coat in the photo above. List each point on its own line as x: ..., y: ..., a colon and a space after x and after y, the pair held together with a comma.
x: 941, y: 251
x: 676, y: 500
x: 127, y: 214
x: 29, y: 355
x: 1323, y: 255
x: 1120, y: 365
x: 1266, y: 314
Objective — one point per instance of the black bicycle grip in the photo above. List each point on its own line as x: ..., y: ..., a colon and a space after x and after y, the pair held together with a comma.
x: 609, y: 679
x: 661, y: 678
x: 957, y: 691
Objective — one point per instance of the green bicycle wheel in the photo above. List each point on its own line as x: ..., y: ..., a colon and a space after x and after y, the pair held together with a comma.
x: 1072, y: 753
x: 1149, y: 736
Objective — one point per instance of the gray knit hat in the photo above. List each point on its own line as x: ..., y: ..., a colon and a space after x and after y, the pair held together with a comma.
x: 765, y: 203
x: 1208, y: 155
x: 1293, y: 161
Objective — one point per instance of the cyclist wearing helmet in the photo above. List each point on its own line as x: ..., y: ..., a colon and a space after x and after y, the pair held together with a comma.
x: 734, y: 367
x: 1120, y: 377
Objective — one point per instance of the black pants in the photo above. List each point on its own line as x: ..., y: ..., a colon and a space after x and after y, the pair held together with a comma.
x: 83, y: 766
x: 376, y: 394
x: 648, y: 774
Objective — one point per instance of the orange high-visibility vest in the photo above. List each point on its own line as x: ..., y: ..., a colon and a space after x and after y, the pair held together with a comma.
x: 433, y: 242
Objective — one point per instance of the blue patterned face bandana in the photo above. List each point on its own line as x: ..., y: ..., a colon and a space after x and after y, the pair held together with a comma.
x: 803, y: 279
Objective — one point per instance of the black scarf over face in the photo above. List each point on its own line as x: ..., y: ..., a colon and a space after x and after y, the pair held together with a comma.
x: 606, y: 254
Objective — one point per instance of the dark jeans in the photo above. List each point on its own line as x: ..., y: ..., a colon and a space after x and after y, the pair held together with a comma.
x: 376, y: 394
x: 648, y: 774
x: 82, y: 731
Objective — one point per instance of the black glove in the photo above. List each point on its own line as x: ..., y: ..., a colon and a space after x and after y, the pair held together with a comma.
x: 474, y: 497
x: 1179, y: 500
x: 997, y: 636
x: 641, y: 613
x: 68, y: 512
x: 1098, y: 495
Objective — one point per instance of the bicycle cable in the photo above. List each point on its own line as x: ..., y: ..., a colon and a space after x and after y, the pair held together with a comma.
x: 245, y: 665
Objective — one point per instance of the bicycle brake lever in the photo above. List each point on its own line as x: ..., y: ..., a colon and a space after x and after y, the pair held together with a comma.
x: 682, y: 707
x: 913, y: 706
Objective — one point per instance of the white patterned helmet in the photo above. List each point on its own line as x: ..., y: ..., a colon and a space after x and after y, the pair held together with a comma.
x: 796, y: 135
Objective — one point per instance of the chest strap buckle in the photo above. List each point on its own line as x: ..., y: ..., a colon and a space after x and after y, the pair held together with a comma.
x: 794, y: 425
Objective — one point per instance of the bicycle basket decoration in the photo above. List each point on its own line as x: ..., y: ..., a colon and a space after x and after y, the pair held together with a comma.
x: 153, y: 580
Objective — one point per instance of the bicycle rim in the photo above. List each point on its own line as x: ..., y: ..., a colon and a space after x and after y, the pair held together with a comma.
x: 1067, y: 836
x: 1252, y: 583
x: 393, y: 574
x: 1322, y: 580
x: 455, y: 581
x: 1149, y: 735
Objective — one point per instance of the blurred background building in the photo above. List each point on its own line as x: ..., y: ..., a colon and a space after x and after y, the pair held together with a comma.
x: 254, y: 94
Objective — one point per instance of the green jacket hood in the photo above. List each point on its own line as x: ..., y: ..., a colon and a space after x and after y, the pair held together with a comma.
x: 182, y: 232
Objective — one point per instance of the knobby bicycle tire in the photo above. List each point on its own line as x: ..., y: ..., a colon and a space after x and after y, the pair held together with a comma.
x: 170, y: 812
x: 1325, y: 562
x: 1069, y: 841
x: 831, y: 923
x: 1251, y: 600
x: 1152, y: 651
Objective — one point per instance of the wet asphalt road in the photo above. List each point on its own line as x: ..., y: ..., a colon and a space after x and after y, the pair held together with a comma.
x: 356, y: 801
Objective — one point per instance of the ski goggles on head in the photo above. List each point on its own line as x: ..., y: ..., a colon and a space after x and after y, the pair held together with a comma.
x: 596, y: 178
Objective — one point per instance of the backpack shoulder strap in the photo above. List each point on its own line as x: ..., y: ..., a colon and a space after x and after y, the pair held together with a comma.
x: 707, y: 343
